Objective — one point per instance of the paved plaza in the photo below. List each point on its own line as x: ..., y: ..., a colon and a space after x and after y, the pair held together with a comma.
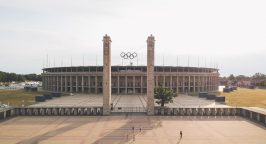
x: 126, y: 101
x: 118, y: 130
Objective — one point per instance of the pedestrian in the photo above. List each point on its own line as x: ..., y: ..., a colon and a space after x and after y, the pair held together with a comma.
x: 140, y: 129
x: 181, y: 133
x: 112, y: 106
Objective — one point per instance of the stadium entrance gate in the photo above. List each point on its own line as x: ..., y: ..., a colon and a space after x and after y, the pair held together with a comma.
x: 128, y: 110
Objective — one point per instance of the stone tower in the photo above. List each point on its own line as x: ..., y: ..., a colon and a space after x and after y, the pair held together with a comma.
x: 106, y: 74
x: 150, y: 75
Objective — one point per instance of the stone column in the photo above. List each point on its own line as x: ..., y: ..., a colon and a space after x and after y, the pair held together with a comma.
x: 150, y: 75
x: 89, y: 84
x: 217, y: 83
x: 177, y: 85
x: 157, y: 81
x: 194, y: 84
x: 203, y: 81
x: 198, y: 83
x: 96, y: 84
x: 205, y: 84
x: 53, y: 83
x: 214, y: 83
x: 61, y: 83
x: 118, y: 85
x: 171, y: 82
x: 189, y: 84
x: 134, y: 83
x: 70, y: 84
x: 183, y: 84
x: 163, y: 81
x: 43, y: 82
x: 57, y: 83
x: 125, y: 84
x: 82, y: 84
x: 106, y: 74
x: 66, y: 83
x: 141, y: 84
x: 210, y: 83
x: 77, y: 86
x: 201, y: 84
x: 48, y: 83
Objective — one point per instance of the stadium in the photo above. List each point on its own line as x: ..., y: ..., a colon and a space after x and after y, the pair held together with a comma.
x: 129, y: 79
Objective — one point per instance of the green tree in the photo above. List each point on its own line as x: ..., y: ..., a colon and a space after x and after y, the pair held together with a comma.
x: 259, y: 76
x: 164, y: 95
x: 9, y: 77
x: 231, y: 77
x: 241, y: 77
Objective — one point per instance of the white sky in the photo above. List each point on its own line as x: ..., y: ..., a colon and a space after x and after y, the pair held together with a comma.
x: 229, y: 34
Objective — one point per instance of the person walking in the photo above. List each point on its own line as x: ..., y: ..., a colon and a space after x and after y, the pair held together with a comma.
x: 181, y: 134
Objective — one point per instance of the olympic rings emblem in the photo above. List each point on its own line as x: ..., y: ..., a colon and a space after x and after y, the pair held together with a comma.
x: 128, y: 55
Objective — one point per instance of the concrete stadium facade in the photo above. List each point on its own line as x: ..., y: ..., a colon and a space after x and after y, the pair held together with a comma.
x: 129, y: 79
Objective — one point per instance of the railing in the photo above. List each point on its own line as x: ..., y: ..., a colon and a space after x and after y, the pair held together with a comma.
x: 197, y: 111
x: 251, y: 114
x: 256, y: 116
x: 55, y: 111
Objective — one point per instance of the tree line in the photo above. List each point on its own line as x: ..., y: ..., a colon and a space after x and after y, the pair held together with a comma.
x: 258, y: 79
x: 9, y: 77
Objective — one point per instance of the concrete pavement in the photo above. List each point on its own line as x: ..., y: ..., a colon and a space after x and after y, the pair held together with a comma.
x: 118, y: 129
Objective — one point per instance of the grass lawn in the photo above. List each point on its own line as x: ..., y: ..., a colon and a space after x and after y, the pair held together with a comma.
x: 246, y: 97
x: 16, y: 97
x: 240, y: 97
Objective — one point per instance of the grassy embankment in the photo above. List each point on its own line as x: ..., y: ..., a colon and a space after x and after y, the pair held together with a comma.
x: 18, y: 97
x: 246, y: 97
